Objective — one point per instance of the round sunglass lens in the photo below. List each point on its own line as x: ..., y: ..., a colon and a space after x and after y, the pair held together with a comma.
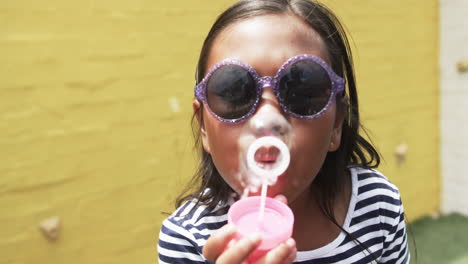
x: 231, y: 92
x: 305, y: 88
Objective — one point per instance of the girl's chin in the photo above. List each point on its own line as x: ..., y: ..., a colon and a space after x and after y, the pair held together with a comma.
x: 271, y: 192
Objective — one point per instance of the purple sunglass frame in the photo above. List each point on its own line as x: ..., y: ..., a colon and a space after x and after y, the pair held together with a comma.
x: 337, y: 86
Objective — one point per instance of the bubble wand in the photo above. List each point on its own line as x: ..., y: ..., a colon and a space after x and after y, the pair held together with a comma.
x: 268, y: 176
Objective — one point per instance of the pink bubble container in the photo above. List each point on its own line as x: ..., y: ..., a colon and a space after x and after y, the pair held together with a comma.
x: 275, y: 227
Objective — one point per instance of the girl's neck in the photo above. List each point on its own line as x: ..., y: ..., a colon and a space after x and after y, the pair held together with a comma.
x: 312, y: 228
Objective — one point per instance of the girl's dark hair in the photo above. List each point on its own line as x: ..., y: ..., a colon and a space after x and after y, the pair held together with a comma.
x: 354, y: 150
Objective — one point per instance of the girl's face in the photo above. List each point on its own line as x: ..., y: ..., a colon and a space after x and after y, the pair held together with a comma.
x: 265, y: 43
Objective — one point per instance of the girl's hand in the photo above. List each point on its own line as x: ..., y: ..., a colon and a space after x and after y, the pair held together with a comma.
x: 220, y: 247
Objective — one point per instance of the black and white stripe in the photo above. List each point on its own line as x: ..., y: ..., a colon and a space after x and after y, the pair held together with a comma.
x: 375, y: 218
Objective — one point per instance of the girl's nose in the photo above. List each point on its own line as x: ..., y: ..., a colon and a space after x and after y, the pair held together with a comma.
x: 269, y: 119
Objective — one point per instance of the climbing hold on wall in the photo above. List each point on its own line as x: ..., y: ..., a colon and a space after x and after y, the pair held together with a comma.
x: 50, y: 227
x: 400, y: 154
x: 462, y: 66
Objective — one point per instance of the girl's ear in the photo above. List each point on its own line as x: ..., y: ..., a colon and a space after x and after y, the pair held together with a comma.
x: 199, y: 115
x: 337, y: 129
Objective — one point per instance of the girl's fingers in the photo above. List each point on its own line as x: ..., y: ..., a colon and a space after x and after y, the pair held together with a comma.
x: 284, y: 253
x: 292, y: 255
x: 218, y: 241
x: 281, y: 198
x: 239, y: 251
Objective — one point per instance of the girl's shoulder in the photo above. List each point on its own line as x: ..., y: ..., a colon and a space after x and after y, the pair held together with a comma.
x: 373, y: 194
x: 188, y: 228
x: 193, y: 216
x: 367, y: 179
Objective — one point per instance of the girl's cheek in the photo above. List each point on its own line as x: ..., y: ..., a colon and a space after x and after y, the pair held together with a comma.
x: 224, y: 143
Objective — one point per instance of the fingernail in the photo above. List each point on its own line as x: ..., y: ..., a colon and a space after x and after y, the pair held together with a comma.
x: 230, y: 229
x: 291, y: 243
x: 255, y: 237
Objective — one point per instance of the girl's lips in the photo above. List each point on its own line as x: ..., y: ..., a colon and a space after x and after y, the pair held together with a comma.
x: 267, y: 156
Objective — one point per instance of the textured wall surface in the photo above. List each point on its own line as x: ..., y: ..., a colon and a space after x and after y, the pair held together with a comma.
x: 454, y: 105
x: 94, y: 120
x: 396, y: 54
x: 95, y: 105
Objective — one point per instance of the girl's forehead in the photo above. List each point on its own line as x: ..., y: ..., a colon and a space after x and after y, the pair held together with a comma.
x: 270, y: 39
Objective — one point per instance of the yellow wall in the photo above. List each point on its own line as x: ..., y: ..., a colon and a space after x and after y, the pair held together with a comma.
x: 95, y: 103
x: 396, y: 55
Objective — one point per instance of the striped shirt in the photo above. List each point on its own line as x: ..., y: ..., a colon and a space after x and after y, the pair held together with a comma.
x: 375, y: 218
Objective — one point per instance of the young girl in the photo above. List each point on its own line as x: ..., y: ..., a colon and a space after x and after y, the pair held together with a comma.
x: 284, y: 68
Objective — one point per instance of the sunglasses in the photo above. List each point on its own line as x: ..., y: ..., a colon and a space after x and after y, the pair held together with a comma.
x: 304, y: 86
